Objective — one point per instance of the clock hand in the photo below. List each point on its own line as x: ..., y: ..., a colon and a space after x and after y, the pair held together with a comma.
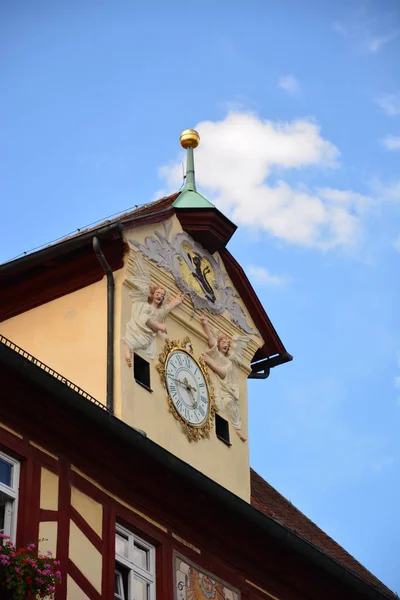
x: 190, y: 389
x: 179, y: 381
x: 186, y: 384
x: 194, y: 399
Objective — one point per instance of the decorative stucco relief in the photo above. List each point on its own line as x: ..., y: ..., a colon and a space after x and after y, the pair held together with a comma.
x: 148, y: 311
x: 196, y: 272
x: 223, y: 356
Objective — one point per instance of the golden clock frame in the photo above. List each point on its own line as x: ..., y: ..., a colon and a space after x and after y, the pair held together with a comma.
x: 193, y: 432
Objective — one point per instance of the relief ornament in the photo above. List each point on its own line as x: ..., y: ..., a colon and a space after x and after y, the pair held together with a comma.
x: 223, y: 357
x: 196, y: 272
x: 148, y: 311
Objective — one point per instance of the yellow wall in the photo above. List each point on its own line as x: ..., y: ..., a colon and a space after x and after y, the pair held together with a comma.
x: 149, y: 411
x: 85, y: 556
x: 74, y: 592
x: 69, y: 335
x: 48, y: 490
x: 48, y: 537
x: 89, y: 509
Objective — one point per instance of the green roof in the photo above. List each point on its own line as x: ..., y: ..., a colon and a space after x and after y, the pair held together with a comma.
x: 191, y: 199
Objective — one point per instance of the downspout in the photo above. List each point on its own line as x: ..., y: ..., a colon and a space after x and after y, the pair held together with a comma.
x: 110, y: 323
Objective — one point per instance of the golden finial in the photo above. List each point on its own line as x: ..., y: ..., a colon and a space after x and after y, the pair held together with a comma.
x: 189, y: 138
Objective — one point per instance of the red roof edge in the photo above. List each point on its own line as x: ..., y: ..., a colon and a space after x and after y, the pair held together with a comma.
x: 270, y: 502
x: 272, y: 342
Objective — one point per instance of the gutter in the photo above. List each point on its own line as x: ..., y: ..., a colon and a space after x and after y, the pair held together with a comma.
x: 260, y: 369
x: 239, y: 508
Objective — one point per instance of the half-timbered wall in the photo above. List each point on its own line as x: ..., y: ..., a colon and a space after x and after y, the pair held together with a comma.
x: 74, y: 516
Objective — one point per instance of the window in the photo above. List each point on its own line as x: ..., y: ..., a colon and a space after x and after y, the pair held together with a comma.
x: 141, y: 371
x: 9, y: 483
x: 134, y: 567
x: 222, y: 429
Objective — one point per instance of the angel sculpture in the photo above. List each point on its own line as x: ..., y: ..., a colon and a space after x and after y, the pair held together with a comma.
x: 223, y: 357
x: 148, y: 314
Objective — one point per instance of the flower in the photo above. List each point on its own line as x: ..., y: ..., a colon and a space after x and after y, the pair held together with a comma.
x: 27, y: 573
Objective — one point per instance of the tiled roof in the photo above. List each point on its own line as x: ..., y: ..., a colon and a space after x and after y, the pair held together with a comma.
x: 267, y: 500
x: 141, y: 211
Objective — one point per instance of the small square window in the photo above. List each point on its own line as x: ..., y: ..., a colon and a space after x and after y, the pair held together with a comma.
x: 141, y: 371
x: 222, y: 429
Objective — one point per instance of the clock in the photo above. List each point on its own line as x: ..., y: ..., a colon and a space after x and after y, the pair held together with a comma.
x: 189, y: 392
x: 187, y: 387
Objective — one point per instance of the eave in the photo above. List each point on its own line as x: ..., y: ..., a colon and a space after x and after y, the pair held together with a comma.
x: 208, y: 226
x: 57, y: 270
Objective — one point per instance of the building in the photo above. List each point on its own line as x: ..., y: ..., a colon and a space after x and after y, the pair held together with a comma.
x: 124, y: 356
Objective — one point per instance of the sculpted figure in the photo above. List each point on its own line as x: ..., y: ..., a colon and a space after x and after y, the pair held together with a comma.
x: 148, y: 313
x: 223, y: 358
x: 200, y: 273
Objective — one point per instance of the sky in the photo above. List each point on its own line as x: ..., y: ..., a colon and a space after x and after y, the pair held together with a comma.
x: 298, y: 109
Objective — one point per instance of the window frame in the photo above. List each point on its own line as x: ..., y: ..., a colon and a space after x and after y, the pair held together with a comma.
x: 139, y: 365
x: 222, y: 424
x: 11, y: 492
x: 149, y: 576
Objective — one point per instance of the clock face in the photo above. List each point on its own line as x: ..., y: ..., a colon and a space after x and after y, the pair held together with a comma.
x: 187, y: 387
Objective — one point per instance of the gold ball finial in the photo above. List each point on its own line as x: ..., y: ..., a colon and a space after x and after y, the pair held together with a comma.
x: 189, y: 137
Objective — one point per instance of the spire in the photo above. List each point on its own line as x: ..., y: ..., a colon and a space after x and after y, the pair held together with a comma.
x: 190, y: 139
x: 190, y: 197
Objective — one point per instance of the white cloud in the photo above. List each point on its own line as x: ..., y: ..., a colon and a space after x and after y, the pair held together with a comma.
x: 390, y: 104
x: 234, y: 164
x: 391, y: 142
x: 262, y: 276
x: 360, y: 33
x: 373, y: 43
x: 387, y: 192
x: 397, y: 243
x: 383, y: 463
x: 397, y: 382
x: 289, y: 83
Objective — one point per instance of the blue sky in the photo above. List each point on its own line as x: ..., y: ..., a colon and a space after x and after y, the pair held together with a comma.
x: 298, y: 107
